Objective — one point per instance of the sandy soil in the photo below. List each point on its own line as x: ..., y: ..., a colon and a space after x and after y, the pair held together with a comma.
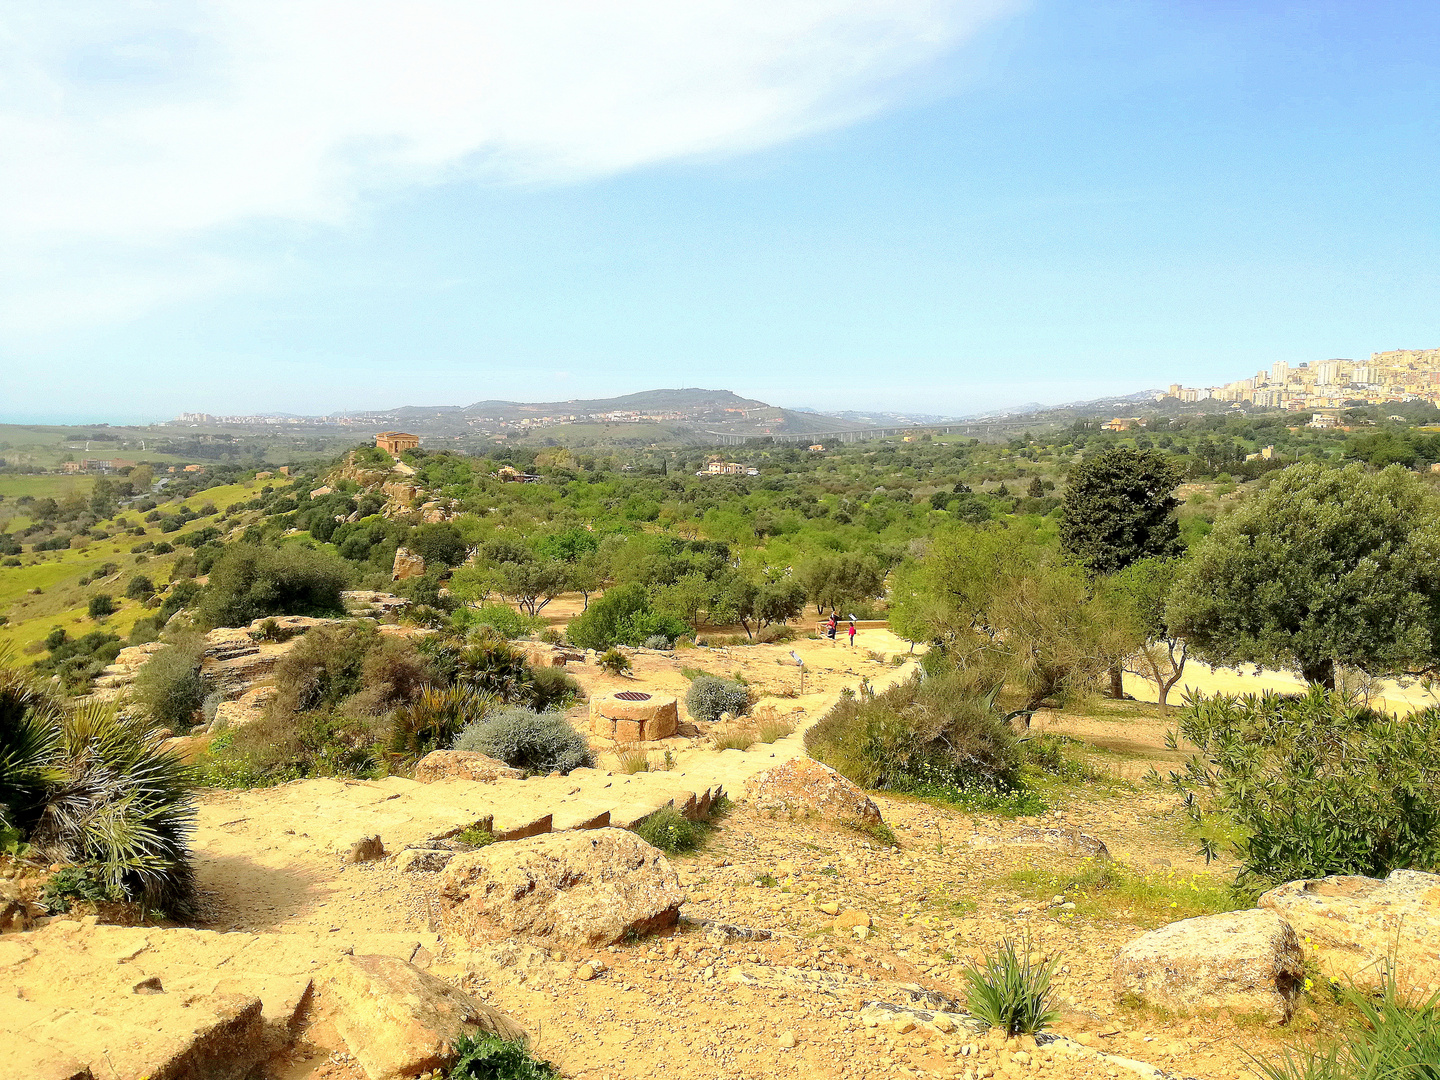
x: 958, y: 883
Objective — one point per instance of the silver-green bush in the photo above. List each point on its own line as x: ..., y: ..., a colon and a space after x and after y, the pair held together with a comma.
x: 708, y: 697
x: 539, y: 743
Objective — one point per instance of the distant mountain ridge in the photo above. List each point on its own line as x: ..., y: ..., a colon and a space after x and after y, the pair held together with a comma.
x: 688, y: 413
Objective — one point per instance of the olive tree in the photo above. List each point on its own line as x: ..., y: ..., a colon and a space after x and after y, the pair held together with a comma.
x: 1139, y: 594
x: 997, y: 598
x: 1325, y: 566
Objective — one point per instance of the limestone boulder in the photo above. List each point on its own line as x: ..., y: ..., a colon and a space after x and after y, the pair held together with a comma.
x: 285, y: 627
x: 395, y: 1019
x: 584, y: 888
x: 407, y: 565
x: 463, y: 765
x: 244, y: 710
x: 805, y: 785
x: 1353, y: 926
x: 1242, y: 961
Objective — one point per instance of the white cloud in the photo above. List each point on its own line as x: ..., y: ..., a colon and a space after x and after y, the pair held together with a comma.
x: 153, y: 125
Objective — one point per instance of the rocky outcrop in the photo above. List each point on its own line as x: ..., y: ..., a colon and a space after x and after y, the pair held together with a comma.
x: 576, y: 888
x: 243, y: 711
x: 407, y: 565
x: 1243, y: 961
x: 117, y: 677
x: 463, y: 765
x: 805, y: 785
x: 396, y: 1020
x: 1355, y: 926
x: 541, y: 655
x: 371, y: 603
x: 399, y: 492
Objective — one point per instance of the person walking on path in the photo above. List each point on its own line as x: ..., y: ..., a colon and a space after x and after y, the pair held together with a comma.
x: 852, y: 631
x: 831, y: 628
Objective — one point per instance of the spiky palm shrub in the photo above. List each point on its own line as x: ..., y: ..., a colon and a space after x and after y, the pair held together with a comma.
x: 29, y: 742
x: 488, y: 663
x: 433, y: 719
x: 122, y: 803
x: 1390, y: 1037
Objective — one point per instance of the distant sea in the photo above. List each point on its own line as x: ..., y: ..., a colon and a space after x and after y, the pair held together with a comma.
x: 78, y: 419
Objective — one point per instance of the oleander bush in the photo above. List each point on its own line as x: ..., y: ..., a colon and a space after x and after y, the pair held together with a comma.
x: 1306, y: 785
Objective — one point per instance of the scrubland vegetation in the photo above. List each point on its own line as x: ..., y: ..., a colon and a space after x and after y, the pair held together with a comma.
x: 1032, y: 575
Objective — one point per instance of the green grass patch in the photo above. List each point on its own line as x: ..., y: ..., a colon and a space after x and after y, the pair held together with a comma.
x: 43, y: 487
x: 671, y: 831
x: 1110, y: 890
x: 483, y: 1056
x: 1024, y: 801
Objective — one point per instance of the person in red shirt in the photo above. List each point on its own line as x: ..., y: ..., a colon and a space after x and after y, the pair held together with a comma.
x: 852, y: 631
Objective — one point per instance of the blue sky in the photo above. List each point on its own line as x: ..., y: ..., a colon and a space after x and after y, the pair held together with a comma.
x: 944, y: 207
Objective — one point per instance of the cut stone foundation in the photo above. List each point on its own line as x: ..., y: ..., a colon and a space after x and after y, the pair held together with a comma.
x: 634, y: 716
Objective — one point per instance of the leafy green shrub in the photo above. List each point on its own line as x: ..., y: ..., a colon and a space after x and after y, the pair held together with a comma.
x: 140, y: 588
x: 73, y: 883
x: 670, y: 831
x: 615, y: 662
x: 248, y: 582
x: 775, y: 634
x: 539, y: 743
x: 475, y: 837
x: 709, y: 696
x: 325, y: 668
x: 552, y: 689
x: 1314, y: 784
x: 1389, y: 1038
x: 623, y: 616
x: 281, y: 747
x: 501, y: 618
x: 438, y: 543
x: 938, y: 735
x: 488, y: 1057
x: 1011, y: 991
x: 78, y: 660
x: 169, y: 684
x: 270, y: 630
x: 1046, y: 751
x: 101, y: 605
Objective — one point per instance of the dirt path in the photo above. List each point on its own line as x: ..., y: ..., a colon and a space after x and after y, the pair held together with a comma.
x: 959, y: 882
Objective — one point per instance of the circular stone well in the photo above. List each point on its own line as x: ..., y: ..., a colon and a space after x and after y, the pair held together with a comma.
x: 634, y: 716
